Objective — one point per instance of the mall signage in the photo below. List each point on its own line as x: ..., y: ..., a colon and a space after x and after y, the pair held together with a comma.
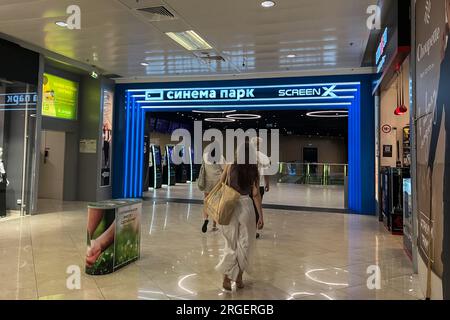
x: 18, y: 99
x: 294, y: 92
x: 235, y: 94
x: 394, y: 42
x: 380, y: 58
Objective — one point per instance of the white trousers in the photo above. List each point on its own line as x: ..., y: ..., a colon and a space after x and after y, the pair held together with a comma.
x: 239, y: 238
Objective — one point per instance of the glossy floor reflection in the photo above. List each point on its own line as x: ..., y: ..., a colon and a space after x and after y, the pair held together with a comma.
x: 301, y: 256
x: 280, y: 194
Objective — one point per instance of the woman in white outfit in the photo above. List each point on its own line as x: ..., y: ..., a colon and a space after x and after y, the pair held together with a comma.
x: 240, y: 234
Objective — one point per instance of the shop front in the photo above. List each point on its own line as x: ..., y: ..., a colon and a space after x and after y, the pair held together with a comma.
x: 393, y: 96
x: 18, y: 103
x: 55, y: 132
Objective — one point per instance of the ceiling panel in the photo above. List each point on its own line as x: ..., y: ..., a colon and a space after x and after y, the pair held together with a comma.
x: 322, y: 34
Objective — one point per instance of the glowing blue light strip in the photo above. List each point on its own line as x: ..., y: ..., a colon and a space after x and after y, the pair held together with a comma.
x: 133, y: 144
x: 127, y: 145
x: 243, y: 100
x: 141, y: 166
x: 344, y: 104
x: 254, y: 87
x: 135, y: 122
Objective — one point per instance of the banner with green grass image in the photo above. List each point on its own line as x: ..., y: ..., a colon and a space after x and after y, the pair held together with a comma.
x: 113, y: 235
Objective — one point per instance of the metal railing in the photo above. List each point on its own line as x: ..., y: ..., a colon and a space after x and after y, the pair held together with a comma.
x: 312, y: 173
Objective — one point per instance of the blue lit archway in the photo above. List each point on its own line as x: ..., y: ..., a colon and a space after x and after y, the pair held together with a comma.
x: 319, y: 95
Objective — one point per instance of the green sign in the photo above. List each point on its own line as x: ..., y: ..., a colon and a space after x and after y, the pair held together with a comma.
x: 60, y: 98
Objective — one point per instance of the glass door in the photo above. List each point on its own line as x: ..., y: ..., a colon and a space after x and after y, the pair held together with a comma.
x: 17, y: 146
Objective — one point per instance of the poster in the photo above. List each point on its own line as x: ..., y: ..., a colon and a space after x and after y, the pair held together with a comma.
x: 113, y: 236
x: 88, y: 146
x: 107, y: 132
x: 60, y: 97
x: 433, y: 130
x: 127, y: 234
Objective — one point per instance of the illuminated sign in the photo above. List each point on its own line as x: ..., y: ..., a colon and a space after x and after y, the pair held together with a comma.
x: 283, y: 94
x: 60, y: 98
x: 17, y: 101
x: 382, y: 46
x: 380, y: 66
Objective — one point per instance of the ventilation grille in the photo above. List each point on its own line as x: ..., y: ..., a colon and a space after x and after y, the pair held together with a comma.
x: 157, y: 13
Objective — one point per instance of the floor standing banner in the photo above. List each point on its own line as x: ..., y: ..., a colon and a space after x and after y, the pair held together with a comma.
x: 433, y: 129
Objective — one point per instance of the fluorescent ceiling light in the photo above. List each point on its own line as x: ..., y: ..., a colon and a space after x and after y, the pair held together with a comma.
x: 61, y: 24
x: 245, y: 116
x: 267, y: 4
x: 190, y: 40
x: 291, y: 55
x: 144, y: 64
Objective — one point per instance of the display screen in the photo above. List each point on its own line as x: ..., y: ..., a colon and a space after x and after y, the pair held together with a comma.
x: 60, y: 98
x: 157, y: 152
x: 170, y: 152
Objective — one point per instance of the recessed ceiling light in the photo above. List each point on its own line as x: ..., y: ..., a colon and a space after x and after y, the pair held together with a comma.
x: 291, y: 55
x: 222, y: 120
x: 244, y: 116
x: 267, y: 4
x: 61, y: 24
x: 144, y: 64
x: 189, y: 40
x: 328, y: 114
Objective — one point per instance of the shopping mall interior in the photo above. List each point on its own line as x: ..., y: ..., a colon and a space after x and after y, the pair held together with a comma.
x: 110, y: 110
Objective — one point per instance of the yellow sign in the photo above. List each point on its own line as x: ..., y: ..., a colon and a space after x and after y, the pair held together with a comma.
x: 60, y: 98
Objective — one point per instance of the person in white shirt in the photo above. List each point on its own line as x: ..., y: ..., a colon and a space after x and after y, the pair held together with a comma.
x: 263, y: 162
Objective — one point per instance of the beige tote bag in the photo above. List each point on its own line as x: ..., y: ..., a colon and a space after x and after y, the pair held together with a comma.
x: 221, y: 201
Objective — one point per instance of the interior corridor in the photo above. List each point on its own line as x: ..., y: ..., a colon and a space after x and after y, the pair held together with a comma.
x: 301, y: 255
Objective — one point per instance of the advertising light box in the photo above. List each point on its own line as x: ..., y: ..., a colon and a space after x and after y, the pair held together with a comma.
x: 60, y: 98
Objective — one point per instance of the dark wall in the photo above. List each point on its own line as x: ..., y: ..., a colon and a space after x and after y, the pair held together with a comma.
x: 17, y: 63
x: 89, y: 115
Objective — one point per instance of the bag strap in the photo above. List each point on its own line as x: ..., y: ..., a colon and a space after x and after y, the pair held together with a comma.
x: 227, y: 175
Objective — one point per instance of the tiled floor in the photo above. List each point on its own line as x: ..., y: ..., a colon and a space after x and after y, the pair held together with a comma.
x: 284, y: 194
x: 300, y: 256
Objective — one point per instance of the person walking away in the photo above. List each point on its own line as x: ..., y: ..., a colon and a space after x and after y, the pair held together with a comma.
x: 240, y: 234
x: 263, y: 162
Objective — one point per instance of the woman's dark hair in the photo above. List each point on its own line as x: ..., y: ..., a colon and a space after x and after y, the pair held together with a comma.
x: 247, y: 172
